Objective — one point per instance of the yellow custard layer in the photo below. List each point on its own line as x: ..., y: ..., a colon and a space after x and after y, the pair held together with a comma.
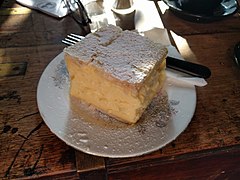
x: 93, y: 86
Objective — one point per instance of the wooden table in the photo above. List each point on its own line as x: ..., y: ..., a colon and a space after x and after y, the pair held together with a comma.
x: 208, y: 149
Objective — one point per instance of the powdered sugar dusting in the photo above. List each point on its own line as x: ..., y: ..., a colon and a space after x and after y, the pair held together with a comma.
x: 61, y: 77
x: 125, y: 55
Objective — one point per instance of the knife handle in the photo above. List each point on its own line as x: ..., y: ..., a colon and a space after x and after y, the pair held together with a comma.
x: 187, y: 67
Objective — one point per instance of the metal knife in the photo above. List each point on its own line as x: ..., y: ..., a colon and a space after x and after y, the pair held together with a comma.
x: 193, y: 69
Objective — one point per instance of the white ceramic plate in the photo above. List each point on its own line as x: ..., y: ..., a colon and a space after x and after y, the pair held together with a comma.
x: 94, y: 133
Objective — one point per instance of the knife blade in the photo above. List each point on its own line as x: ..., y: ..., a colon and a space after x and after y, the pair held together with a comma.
x: 193, y: 69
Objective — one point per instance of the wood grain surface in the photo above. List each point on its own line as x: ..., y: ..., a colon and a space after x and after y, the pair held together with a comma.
x: 28, y: 149
x: 208, y: 149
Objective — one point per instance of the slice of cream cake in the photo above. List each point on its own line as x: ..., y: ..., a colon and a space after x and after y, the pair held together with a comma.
x: 118, y: 72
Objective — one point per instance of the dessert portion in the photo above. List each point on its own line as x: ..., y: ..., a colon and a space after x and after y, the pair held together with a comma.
x: 118, y: 72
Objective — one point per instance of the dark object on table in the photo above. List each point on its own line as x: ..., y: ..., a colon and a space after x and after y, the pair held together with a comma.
x: 80, y: 14
x: 237, y: 53
x: 192, y: 10
x: 193, y: 69
x: 199, y: 6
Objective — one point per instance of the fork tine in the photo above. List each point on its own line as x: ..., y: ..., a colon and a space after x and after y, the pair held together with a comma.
x: 77, y: 36
x: 68, y: 42
x: 72, y: 39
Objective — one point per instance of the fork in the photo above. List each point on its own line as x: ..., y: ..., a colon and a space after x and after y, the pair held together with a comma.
x: 193, y: 69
